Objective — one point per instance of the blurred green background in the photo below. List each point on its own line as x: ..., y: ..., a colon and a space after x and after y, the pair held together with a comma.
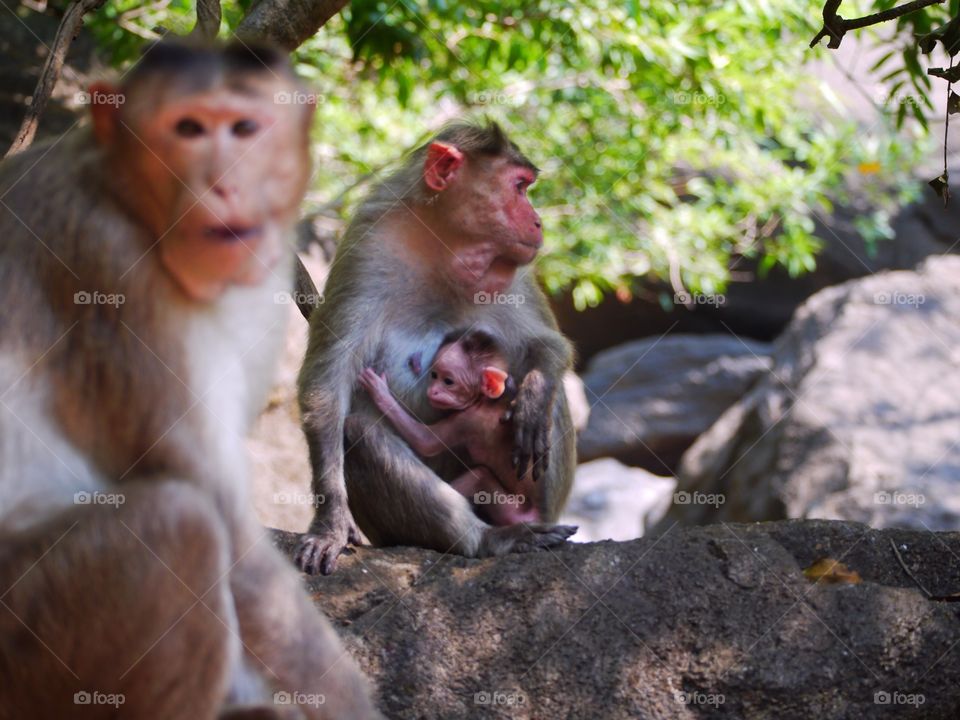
x: 675, y: 137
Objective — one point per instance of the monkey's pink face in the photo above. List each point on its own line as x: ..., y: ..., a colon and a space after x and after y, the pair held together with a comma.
x: 453, y: 379
x: 222, y: 175
x: 519, y: 217
x: 489, y: 225
x: 500, y: 210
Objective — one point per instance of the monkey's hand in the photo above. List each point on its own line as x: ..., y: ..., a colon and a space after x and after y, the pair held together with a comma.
x: 531, y: 415
x: 376, y: 386
x: 321, y: 546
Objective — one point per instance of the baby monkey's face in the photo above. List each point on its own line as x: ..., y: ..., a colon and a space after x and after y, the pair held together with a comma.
x: 458, y: 378
x: 454, y: 379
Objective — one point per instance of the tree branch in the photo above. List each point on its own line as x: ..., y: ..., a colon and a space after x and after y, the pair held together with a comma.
x: 288, y: 23
x: 835, y: 26
x: 68, y: 30
x: 208, y: 19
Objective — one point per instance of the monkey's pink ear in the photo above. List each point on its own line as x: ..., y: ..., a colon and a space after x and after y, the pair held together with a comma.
x: 441, y: 165
x: 104, y: 109
x: 493, y: 381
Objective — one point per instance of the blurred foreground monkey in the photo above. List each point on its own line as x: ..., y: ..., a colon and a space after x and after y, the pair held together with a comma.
x: 440, y: 245
x: 139, y: 263
x: 471, y: 383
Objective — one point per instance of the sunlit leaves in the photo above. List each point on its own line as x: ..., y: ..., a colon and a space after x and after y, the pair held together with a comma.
x: 673, y: 136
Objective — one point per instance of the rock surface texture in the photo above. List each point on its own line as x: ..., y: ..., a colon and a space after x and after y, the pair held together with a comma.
x: 650, y: 399
x: 701, y: 622
x: 857, y: 420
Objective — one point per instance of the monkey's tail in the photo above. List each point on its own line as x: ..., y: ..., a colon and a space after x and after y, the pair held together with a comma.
x: 307, y: 296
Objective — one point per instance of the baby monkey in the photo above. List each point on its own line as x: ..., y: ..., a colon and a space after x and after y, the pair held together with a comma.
x: 469, y: 379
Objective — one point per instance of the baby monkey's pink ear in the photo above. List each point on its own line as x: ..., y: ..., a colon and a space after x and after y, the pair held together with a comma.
x: 493, y: 382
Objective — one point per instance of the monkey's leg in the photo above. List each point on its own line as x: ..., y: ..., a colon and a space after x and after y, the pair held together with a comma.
x: 505, y: 514
x: 288, y: 641
x: 498, y: 505
x: 397, y: 500
x: 476, y: 480
x: 111, y: 611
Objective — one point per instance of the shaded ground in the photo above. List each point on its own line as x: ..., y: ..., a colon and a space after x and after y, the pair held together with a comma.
x: 716, y: 621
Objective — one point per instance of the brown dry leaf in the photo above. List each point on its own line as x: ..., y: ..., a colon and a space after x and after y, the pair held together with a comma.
x: 831, y: 571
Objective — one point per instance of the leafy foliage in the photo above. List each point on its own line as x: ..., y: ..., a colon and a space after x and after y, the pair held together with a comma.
x: 903, y: 67
x: 674, y: 137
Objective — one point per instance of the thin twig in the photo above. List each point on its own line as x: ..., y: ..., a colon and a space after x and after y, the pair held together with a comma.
x: 836, y: 26
x: 907, y: 570
x: 891, y: 14
x: 68, y: 30
x: 946, y: 135
x: 954, y: 597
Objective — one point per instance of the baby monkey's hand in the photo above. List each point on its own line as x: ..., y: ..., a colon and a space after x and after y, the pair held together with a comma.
x: 377, y: 386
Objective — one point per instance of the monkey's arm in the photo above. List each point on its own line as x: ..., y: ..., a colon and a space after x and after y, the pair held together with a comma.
x: 426, y: 441
x: 286, y: 639
x: 325, y: 384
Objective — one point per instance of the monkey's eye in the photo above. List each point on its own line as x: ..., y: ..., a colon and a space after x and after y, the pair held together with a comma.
x: 245, y: 128
x: 188, y: 128
x: 433, y: 375
x: 447, y: 381
x: 522, y: 186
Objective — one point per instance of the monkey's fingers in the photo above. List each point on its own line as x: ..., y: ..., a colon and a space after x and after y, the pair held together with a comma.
x: 330, y: 557
x: 541, y: 451
x: 533, y: 537
x: 522, y: 450
x: 317, y: 555
x: 536, y: 468
x: 304, y: 556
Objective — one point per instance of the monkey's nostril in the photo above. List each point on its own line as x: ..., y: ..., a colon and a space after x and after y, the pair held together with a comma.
x: 537, y: 223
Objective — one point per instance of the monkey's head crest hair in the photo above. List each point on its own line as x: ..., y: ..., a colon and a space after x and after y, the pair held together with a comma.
x: 195, y: 66
x: 473, y: 140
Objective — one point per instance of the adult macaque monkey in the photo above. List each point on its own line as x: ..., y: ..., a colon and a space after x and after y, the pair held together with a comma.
x: 138, y: 265
x: 437, y: 246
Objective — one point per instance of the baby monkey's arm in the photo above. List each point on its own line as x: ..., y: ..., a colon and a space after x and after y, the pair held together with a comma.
x: 426, y: 440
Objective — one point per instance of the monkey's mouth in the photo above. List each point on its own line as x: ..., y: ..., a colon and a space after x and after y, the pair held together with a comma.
x: 440, y: 404
x: 233, y: 233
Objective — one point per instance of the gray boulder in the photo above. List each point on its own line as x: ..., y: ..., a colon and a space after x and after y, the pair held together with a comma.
x: 651, y: 398
x: 858, y: 419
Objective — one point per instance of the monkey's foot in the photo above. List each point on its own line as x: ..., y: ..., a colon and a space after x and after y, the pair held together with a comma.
x: 318, y: 552
x: 527, y: 537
